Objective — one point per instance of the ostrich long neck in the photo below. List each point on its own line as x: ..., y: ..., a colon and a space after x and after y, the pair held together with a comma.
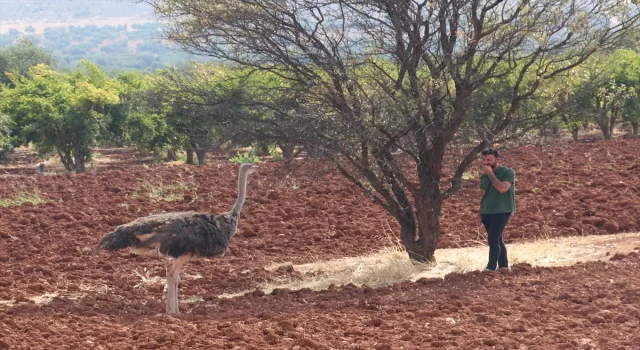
x: 242, y: 191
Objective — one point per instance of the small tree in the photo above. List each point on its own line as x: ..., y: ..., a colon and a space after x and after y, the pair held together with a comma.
x: 609, y: 102
x: 374, y: 75
x: 627, y: 72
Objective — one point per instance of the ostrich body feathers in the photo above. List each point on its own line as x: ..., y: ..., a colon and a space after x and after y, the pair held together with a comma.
x: 174, y: 234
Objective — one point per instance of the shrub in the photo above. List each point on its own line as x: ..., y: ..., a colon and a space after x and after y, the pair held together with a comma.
x: 246, y: 157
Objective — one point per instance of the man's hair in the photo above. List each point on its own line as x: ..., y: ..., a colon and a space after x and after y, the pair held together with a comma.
x: 489, y: 151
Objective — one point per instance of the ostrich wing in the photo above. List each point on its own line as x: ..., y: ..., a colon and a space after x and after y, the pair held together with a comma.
x: 174, y: 234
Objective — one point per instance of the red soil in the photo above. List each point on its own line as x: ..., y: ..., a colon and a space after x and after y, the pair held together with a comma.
x: 575, y: 189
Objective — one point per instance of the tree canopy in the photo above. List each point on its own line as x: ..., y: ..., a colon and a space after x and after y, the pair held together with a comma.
x: 20, y: 57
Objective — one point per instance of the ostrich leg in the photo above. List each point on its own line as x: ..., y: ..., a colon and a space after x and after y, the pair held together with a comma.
x: 172, y: 290
x: 173, y: 279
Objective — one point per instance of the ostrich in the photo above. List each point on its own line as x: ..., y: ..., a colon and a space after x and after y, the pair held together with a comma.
x: 180, y: 236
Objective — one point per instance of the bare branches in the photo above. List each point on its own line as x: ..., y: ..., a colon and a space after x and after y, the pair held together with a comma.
x: 464, y: 164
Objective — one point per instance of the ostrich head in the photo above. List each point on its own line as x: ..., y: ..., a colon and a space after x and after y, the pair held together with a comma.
x: 248, y: 168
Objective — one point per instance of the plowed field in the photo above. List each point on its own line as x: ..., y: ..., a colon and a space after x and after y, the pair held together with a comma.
x: 54, y: 294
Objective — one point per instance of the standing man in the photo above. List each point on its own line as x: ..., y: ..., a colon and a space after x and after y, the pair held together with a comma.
x: 496, y: 206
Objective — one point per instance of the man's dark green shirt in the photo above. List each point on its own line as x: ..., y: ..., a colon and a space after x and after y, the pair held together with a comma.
x: 494, y: 202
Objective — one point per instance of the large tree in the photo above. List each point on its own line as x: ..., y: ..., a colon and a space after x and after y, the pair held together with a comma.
x: 374, y: 75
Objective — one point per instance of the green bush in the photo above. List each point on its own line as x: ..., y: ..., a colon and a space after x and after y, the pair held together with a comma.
x: 5, y: 136
x: 246, y: 157
x: 5, y: 149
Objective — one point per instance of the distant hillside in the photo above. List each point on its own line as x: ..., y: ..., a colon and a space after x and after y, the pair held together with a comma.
x: 113, y: 47
x: 69, y: 10
x: 115, y: 34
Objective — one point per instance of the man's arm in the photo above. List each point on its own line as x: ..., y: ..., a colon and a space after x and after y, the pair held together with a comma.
x: 501, y: 186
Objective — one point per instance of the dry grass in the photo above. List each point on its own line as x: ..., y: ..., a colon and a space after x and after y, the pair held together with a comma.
x: 375, y: 270
x: 146, y: 280
x: 52, y: 165
x: 21, y: 198
x: 470, y: 175
x: 392, y: 265
x: 44, y: 298
x: 158, y: 190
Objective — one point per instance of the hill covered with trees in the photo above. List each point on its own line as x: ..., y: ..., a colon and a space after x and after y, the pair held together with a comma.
x: 118, y: 35
x: 113, y: 48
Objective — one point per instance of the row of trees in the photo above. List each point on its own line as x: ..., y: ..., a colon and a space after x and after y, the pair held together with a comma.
x: 67, y: 113
x: 603, y: 91
x: 353, y: 81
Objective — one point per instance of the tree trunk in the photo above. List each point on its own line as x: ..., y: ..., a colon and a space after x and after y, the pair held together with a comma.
x: 190, y: 156
x: 79, y: 159
x: 574, y: 133
x: 634, y: 128
x: 605, y: 127
x: 612, y: 125
x: 555, y: 130
x: 200, y: 153
x: 172, y: 155
x: 423, y: 248
x: 288, y: 149
x: 66, y: 160
x: 606, y: 134
x: 202, y: 156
